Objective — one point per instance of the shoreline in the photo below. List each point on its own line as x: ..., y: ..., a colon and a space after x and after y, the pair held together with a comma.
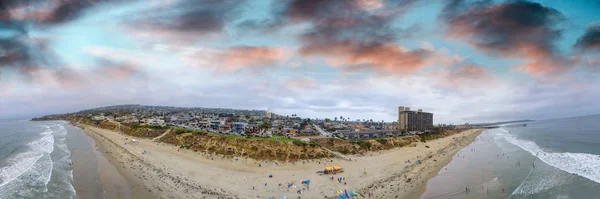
x: 422, y: 188
x: 107, y: 179
x: 167, y: 172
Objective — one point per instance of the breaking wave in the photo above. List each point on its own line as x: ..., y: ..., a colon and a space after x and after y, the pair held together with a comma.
x: 25, y: 161
x: 582, y: 164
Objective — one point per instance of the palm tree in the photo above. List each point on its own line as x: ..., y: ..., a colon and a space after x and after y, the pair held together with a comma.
x: 335, y: 119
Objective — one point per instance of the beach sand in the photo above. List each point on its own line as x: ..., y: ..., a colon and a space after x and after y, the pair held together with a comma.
x: 94, y: 174
x: 165, y: 171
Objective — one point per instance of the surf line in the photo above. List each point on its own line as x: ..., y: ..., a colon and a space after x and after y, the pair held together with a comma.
x: 530, y: 171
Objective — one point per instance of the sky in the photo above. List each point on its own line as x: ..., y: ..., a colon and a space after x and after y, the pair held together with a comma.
x: 464, y: 61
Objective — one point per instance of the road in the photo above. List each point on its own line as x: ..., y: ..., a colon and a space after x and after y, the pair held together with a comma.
x: 321, y: 131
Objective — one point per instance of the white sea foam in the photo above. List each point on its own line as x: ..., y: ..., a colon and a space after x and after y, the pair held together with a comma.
x: 541, y: 179
x: 23, y: 162
x: 582, y: 164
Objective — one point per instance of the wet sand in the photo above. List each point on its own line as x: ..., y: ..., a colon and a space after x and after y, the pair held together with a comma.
x: 165, y: 171
x: 94, y: 176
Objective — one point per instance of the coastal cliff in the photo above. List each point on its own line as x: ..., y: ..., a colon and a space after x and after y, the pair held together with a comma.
x: 273, y: 149
x: 363, y: 146
x: 259, y: 149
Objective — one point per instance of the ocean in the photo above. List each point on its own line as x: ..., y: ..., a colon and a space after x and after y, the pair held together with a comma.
x: 557, y: 158
x: 35, y: 161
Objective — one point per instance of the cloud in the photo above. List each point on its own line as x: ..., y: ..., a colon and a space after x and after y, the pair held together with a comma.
x: 514, y: 29
x: 300, y: 84
x: 310, y: 10
x: 184, y: 20
x: 356, y: 34
x: 26, y: 56
x: 590, y: 40
x: 381, y: 57
x: 238, y: 58
x: 50, y: 12
x: 466, y: 79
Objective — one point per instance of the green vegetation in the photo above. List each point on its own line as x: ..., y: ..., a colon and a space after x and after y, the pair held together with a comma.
x: 303, y: 143
x: 137, y: 126
x: 264, y: 125
x: 424, y: 138
x: 382, y: 141
x: 274, y: 138
x: 179, y: 131
x: 362, y: 144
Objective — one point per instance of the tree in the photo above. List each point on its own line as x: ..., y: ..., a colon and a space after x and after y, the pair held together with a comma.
x: 264, y: 125
x: 327, y: 120
x: 335, y: 119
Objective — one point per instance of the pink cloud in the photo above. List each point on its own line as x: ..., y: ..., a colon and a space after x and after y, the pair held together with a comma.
x: 465, y: 77
x: 381, y: 57
x: 238, y: 58
x: 300, y: 84
x: 28, y: 13
x: 518, y: 30
x: 120, y: 72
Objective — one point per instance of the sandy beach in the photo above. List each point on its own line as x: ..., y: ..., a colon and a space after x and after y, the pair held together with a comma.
x: 165, y: 171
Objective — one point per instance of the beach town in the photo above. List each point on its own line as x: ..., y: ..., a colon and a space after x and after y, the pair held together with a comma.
x: 156, y: 165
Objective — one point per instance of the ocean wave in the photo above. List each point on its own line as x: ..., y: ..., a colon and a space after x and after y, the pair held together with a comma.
x: 582, y: 164
x: 539, y: 180
x: 23, y: 162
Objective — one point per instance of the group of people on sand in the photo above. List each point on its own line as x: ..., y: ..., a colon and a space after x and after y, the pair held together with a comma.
x: 340, y: 180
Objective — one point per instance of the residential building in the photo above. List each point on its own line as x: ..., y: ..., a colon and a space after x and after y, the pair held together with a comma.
x: 251, y: 129
x: 214, y: 123
x: 414, y: 120
x: 238, y: 127
x: 98, y: 118
x: 368, y: 134
x: 155, y: 122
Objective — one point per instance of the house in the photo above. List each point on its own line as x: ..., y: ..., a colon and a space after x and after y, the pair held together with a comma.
x: 307, y: 131
x: 225, y: 126
x: 369, y: 134
x: 251, y: 129
x: 289, y: 132
x: 214, y: 123
x: 98, y: 118
x: 238, y: 127
x: 155, y: 122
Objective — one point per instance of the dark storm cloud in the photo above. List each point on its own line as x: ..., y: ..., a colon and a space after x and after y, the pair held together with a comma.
x: 590, y: 40
x: 501, y: 28
x: 21, y: 53
x: 357, y: 34
x: 209, y: 16
x: 49, y: 12
x: 514, y: 29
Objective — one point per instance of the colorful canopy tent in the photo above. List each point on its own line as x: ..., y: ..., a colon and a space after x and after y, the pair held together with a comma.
x: 334, y: 169
x: 306, y: 182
